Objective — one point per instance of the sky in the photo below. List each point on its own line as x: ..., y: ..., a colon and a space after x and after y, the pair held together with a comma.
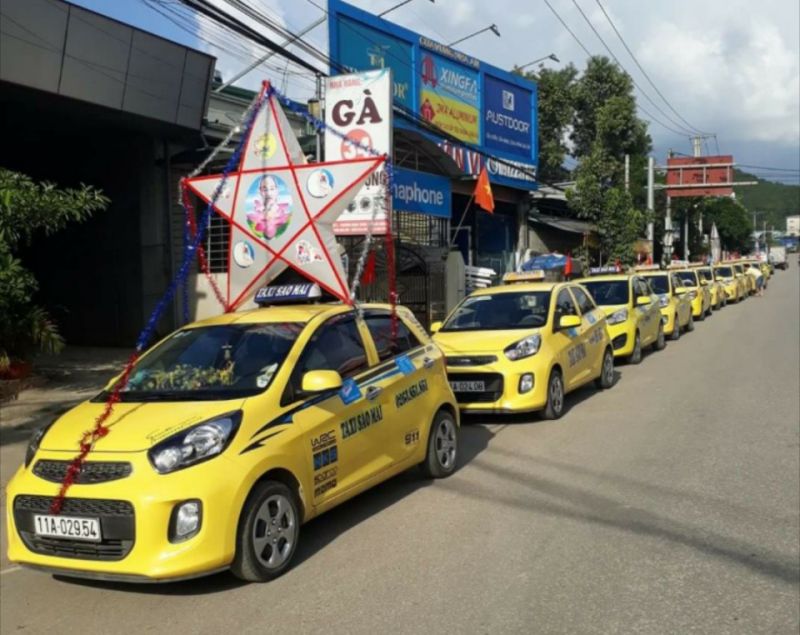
x: 727, y: 67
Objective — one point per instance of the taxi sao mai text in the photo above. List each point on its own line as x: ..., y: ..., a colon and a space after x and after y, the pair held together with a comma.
x: 632, y: 309
x: 523, y: 346
x: 233, y: 432
x: 676, y: 308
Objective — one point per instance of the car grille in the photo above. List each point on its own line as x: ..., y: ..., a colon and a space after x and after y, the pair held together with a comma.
x: 117, y: 524
x: 493, y: 383
x: 92, y: 472
x: 471, y: 360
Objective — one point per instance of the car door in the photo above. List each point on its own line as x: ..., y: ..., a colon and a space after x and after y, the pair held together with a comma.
x: 344, y: 428
x: 569, y: 343
x: 593, y: 321
x: 650, y: 315
x: 683, y: 306
x: 403, y: 378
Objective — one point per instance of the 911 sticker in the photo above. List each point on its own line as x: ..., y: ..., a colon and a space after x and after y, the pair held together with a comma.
x: 412, y: 437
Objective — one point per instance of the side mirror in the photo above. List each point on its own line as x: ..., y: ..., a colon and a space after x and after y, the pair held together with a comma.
x: 321, y: 381
x: 681, y: 290
x: 436, y: 327
x: 569, y: 322
x: 704, y: 283
x: 643, y: 300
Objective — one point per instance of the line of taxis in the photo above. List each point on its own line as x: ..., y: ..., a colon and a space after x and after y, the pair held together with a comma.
x: 233, y: 432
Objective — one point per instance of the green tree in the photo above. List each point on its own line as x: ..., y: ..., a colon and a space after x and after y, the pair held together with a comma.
x: 734, y: 222
x: 27, y: 208
x: 555, y: 114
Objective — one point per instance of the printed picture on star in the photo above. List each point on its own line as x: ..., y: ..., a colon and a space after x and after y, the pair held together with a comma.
x: 269, y: 207
x: 243, y: 254
x: 320, y: 183
x: 265, y: 146
x: 306, y: 253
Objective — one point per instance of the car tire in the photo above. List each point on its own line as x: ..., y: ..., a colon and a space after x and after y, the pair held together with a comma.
x: 676, y: 330
x: 636, y: 356
x: 690, y: 325
x: 442, y: 454
x: 606, y: 379
x: 554, y: 407
x: 661, y: 340
x: 702, y: 315
x: 269, y: 529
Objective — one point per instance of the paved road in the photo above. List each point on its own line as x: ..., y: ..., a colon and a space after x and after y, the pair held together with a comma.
x: 669, y: 504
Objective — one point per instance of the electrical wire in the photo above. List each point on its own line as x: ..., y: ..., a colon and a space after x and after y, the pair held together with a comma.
x: 646, y: 76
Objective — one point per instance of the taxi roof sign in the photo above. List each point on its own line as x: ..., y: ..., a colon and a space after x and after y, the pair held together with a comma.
x: 288, y: 294
x: 647, y: 268
x: 599, y: 271
x: 537, y: 275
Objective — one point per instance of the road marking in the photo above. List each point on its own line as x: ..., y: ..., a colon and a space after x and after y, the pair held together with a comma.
x: 10, y: 570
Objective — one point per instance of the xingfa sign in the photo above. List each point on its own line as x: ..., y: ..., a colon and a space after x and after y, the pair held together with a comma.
x: 358, y: 118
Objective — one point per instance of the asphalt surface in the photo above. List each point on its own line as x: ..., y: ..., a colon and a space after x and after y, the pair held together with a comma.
x: 668, y: 504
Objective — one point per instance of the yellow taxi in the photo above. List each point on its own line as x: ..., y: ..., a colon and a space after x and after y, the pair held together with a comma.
x: 691, y: 284
x: 734, y: 283
x: 748, y: 280
x: 523, y: 346
x: 707, y: 278
x: 231, y: 433
x: 632, y: 311
x: 676, y: 308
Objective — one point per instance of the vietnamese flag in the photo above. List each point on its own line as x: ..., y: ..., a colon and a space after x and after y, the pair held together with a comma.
x: 483, y: 192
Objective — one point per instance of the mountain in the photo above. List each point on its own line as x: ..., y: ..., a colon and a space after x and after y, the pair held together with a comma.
x: 776, y: 200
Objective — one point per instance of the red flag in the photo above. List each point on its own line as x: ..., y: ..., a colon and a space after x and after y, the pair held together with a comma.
x: 368, y: 275
x: 483, y: 192
x: 568, y: 265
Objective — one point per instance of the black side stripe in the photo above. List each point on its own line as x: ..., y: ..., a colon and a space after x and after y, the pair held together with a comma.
x: 260, y: 442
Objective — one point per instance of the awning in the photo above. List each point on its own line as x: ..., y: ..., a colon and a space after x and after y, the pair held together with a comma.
x: 571, y: 225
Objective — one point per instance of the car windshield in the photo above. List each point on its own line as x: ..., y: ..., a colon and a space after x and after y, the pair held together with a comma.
x: 688, y: 278
x: 608, y: 292
x: 738, y: 268
x: 706, y: 274
x: 500, y: 311
x: 212, y: 363
x: 725, y: 272
x: 660, y: 284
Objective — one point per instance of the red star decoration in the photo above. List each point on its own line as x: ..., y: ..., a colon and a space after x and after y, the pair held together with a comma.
x: 281, y: 208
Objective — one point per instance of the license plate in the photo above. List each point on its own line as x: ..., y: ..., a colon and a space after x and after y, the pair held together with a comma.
x: 67, y: 527
x: 468, y: 386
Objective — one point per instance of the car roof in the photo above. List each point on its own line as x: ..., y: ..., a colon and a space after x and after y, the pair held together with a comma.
x: 654, y: 272
x: 606, y: 277
x: 517, y: 287
x: 297, y: 313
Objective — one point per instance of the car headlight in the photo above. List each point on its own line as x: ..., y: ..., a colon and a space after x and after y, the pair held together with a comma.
x: 196, y: 444
x: 618, y: 316
x: 524, y: 348
x: 35, y: 441
x: 663, y: 300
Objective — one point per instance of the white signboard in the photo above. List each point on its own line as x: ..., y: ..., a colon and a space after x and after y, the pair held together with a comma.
x: 359, y: 106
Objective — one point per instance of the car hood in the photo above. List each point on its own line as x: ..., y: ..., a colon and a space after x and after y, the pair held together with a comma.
x: 466, y: 342
x: 132, y: 426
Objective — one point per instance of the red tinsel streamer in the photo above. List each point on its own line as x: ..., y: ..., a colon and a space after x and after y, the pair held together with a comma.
x: 90, y: 437
x: 201, y: 252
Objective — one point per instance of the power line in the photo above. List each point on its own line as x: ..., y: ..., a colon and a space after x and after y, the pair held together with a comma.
x: 647, y: 77
x: 560, y: 19
x: 641, y: 90
x: 762, y: 167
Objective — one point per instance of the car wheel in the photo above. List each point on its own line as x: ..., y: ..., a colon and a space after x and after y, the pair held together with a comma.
x: 636, y: 356
x: 676, y: 330
x: 555, y: 396
x: 702, y: 315
x: 661, y: 340
x: 606, y: 379
x: 442, y: 454
x: 269, y: 529
x: 690, y: 325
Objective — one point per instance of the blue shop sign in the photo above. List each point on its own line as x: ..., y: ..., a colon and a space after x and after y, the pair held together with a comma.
x: 507, y: 117
x: 421, y: 192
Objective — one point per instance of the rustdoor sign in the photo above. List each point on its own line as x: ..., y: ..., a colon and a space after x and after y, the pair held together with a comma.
x: 359, y: 106
x: 507, y: 117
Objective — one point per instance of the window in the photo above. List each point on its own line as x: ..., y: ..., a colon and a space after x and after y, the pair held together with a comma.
x: 584, y: 302
x: 380, y: 328
x: 641, y: 288
x: 676, y: 282
x: 338, y: 346
x: 659, y: 284
x: 500, y: 312
x: 609, y: 292
x: 565, y: 305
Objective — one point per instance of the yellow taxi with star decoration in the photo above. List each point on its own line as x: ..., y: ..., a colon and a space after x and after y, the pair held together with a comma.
x: 676, y: 308
x: 522, y: 346
x: 230, y: 434
x: 692, y: 285
x: 632, y: 311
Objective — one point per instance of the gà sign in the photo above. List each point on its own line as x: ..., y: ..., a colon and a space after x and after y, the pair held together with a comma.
x: 358, y: 117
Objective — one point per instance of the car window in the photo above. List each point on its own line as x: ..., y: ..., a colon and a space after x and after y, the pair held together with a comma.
x: 687, y: 278
x: 565, y: 304
x: 337, y: 345
x: 609, y: 292
x: 584, y: 301
x: 641, y: 287
x: 659, y: 284
x: 676, y: 282
x: 380, y: 328
x: 500, y: 311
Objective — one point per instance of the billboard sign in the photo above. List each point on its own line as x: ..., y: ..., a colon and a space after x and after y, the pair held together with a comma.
x: 489, y: 110
x: 700, y: 176
x: 421, y: 192
x: 358, y: 107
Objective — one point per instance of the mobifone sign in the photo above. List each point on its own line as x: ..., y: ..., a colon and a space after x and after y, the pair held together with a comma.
x: 421, y: 192
x: 358, y: 119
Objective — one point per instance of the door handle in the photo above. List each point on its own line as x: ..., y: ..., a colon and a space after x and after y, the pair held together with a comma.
x: 427, y: 362
x: 373, y: 392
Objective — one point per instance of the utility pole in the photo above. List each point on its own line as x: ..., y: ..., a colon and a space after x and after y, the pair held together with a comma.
x: 318, y: 94
x: 651, y: 206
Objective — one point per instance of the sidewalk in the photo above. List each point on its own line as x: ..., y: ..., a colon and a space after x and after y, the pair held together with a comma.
x: 59, y: 382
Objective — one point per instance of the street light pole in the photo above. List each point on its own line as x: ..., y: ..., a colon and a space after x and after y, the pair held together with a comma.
x: 552, y: 56
x: 397, y: 6
x: 492, y: 27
